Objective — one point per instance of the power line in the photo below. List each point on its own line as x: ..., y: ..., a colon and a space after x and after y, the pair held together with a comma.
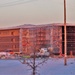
x: 11, y: 2
x: 6, y: 2
x: 16, y: 3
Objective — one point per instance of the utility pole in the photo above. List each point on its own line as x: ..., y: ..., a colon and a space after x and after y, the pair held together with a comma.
x: 65, y: 35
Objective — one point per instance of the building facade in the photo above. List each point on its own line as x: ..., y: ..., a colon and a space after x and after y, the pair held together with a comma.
x: 9, y: 40
x: 27, y: 38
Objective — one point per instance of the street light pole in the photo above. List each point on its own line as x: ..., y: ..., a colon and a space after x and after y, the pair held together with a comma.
x: 65, y: 35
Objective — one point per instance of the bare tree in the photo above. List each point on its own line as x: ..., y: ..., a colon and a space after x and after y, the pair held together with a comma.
x: 33, y: 63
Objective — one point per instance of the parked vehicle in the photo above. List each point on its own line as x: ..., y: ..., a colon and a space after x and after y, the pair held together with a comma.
x: 4, y: 54
x: 43, y: 52
x: 11, y: 52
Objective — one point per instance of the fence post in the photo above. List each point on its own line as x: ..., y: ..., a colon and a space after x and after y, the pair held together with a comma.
x: 71, y: 54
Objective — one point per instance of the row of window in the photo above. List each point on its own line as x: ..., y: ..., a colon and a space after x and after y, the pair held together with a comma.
x: 9, y: 46
x: 6, y: 32
x: 9, y: 40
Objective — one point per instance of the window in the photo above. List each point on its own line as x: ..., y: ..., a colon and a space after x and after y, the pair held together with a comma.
x: 12, y: 33
x: 0, y: 32
x: 12, y: 39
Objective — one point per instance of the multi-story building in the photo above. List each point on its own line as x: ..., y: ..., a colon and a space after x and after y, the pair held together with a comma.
x: 26, y: 38
x: 9, y: 39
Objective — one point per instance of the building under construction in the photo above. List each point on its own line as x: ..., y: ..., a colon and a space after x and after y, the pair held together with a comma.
x: 26, y: 38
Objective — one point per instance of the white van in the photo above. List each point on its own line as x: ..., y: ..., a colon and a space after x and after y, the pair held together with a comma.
x: 4, y: 54
x: 43, y: 52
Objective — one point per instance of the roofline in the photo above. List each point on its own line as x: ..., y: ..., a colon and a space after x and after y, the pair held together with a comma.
x: 29, y: 26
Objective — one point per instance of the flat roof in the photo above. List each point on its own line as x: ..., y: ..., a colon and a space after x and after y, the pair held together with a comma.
x: 34, y: 26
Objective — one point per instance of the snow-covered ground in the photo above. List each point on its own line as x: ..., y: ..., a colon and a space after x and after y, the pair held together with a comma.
x: 54, y: 66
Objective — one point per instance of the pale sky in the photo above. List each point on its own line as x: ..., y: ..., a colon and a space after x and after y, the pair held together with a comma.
x: 35, y: 12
